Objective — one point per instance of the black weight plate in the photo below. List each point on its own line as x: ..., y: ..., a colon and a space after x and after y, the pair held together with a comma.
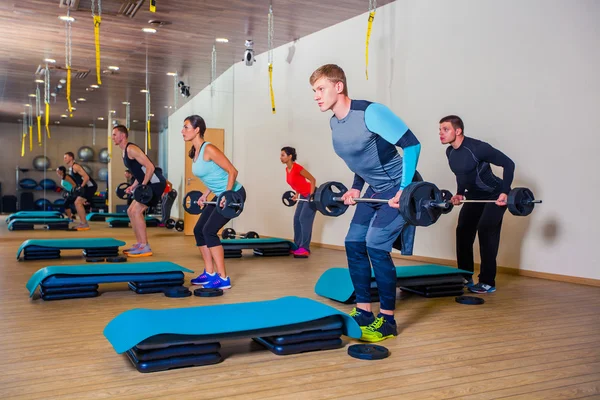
x: 179, y: 226
x: 520, y: 202
x: 469, y: 300
x: 94, y: 259
x: 117, y: 259
x: 178, y: 291
x: 170, y: 224
x: 368, y: 351
x: 143, y: 194
x: 228, y: 233
x: 202, y: 292
x: 286, y: 199
x: 414, y: 203
x: 120, y: 192
x: 234, y: 204
x: 190, y: 202
x: 252, y: 235
x: 324, y: 202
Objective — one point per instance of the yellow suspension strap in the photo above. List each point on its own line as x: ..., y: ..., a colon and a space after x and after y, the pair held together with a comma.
x: 97, y: 21
x: 270, y: 56
x: 68, y: 49
x: 30, y: 125
x: 149, y: 139
x: 38, y: 115
x: 372, y: 7
x: 23, y: 136
x: 153, y: 6
x: 47, y: 99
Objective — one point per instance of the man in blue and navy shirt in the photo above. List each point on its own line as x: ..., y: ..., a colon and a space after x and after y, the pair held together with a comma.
x: 365, y: 135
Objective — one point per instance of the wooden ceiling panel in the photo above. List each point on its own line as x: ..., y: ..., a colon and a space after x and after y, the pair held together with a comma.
x: 31, y: 31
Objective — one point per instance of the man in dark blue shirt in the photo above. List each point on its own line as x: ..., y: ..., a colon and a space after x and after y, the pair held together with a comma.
x: 470, y: 161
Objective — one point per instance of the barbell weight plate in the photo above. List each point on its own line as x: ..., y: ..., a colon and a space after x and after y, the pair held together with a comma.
x: 170, y: 224
x: 179, y: 226
x: 446, y: 196
x: 120, y: 191
x: 252, y: 235
x: 228, y: 233
x: 520, y: 202
x: 414, y: 203
x: 190, y: 202
x: 287, y: 199
x: 230, y: 210
x: 143, y: 194
x: 324, y: 202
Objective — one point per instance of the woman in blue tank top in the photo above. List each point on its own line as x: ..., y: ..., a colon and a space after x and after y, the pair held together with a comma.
x: 215, y: 170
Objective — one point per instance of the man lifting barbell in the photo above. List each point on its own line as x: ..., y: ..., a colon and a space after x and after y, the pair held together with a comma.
x: 146, y: 190
x: 365, y: 136
x: 470, y: 161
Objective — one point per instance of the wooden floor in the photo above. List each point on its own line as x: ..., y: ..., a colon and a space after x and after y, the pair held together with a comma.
x: 533, y: 339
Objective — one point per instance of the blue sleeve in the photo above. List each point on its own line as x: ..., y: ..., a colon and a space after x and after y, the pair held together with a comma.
x: 381, y: 120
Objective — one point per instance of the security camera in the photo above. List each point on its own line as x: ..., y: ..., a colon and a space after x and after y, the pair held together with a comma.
x: 185, y: 90
x: 249, y: 53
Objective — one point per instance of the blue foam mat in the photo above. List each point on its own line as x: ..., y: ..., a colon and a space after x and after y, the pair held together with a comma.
x: 131, y: 327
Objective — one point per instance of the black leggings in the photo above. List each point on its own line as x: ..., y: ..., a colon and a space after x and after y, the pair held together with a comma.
x: 484, y: 219
x: 210, y: 222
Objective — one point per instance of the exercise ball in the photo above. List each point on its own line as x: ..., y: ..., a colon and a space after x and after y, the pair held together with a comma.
x: 85, y: 153
x: 103, y: 156
x: 27, y: 183
x: 59, y: 202
x: 87, y: 169
x: 43, y: 204
x: 41, y: 163
x: 48, y: 184
x: 103, y: 174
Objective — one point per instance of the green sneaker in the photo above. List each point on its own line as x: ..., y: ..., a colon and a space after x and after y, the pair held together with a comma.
x: 379, y: 330
x: 361, y: 319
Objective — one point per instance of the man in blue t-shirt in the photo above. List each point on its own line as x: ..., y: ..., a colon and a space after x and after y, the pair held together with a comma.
x: 365, y: 135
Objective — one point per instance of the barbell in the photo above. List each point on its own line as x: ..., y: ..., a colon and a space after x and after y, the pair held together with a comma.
x: 421, y: 203
x: 233, y: 207
x: 230, y: 233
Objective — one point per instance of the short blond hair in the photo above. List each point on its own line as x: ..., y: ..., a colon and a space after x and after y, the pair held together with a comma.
x: 333, y: 73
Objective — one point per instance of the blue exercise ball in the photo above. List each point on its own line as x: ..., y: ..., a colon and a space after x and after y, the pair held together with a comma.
x: 59, y: 202
x: 85, y: 153
x: 43, y: 205
x: 41, y: 163
x: 48, y: 184
x: 103, y: 156
x: 103, y: 174
x: 27, y: 183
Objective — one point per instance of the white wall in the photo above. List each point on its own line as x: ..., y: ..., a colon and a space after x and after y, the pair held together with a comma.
x: 523, y: 75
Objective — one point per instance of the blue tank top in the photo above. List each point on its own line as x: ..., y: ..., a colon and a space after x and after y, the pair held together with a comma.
x: 214, y: 177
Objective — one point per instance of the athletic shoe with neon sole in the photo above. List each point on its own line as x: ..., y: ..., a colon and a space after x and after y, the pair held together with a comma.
x: 203, y: 278
x: 134, y: 247
x: 379, y: 330
x: 141, y: 251
x: 361, y: 319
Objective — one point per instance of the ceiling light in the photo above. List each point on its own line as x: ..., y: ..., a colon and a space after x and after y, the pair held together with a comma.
x: 143, y: 91
x: 172, y: 73
x: 113, y: 112
x: 149, y: 30
x: 59, y: 86
x: 50, y: 60
x: 94, y: 86
x: 39, y: 81
x: 135, y: 120
x: 23, y: 113
x: 166, y: 106
x: 151, y: 115
x: 222, y: 40
x: 63, y: 81
x: 81, y: 99
x: 125, y: 102
x: 53, y: 94
x: 27, y: 105
x: 66, y: 18
x: 32, y: 95
x: 100, y: 118
x: 57, y: 122
x: 113, y: 68
x: 64, y: 116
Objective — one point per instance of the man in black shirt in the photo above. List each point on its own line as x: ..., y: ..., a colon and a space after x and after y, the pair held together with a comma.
x: 470, y: 161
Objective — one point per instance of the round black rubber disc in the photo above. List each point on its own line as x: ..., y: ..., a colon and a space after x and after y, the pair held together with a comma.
x: 201, y: 292
x: 368, y: 352
x: 116, y: 259
x: 470, y: 300
x: 178, y: 291
x: 94, y: 259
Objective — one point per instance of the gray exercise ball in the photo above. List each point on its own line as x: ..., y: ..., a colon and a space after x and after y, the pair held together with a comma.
x: 103, y: 174
x: 87, y: 169
x: 41, y: 163
x: 103, y: 156
x: 85, y: 153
